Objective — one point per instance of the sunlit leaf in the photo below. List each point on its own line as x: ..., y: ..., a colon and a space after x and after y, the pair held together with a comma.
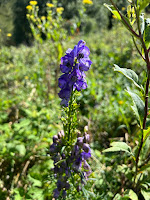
x: 119, y: 146
x: 130, y: 74
x: 146, y: 133
x: 138, y: 106
x: 145, y: 194
x: 132, y: 194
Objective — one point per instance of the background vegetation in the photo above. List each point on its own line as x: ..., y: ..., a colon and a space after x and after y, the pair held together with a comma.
x: 29, y: 106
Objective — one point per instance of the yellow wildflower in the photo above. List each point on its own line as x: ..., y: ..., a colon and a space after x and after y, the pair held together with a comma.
x: 87, y: 2
x: 9, y: 34
x: 26, y: 77
x: 50, y: 5
x: 114, y: 16
x: 59, y: 10
x: 123, y: 8
x: 39, y: 26
x: 29, y: 7
x: 27, y: 15
x: 120, y: 102
x: 33, y: 3
x: 43, y: 18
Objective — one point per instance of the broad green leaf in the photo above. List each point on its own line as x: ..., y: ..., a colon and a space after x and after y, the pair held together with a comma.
x: 146, y: 195
x: 119, y: 146
x: 130, y: 74
x: 113, y: 10
x: 138, y: 107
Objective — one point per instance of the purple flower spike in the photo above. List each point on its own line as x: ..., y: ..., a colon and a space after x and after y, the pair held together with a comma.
x: 73, y: 65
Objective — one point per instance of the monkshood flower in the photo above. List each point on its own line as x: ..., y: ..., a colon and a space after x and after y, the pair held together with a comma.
x: 66, y: 164
x: 73, y: 65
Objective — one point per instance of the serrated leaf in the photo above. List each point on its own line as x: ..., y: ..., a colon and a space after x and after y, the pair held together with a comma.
x: 119, y: 146
x: 138, y: 107
x: 128, y: 73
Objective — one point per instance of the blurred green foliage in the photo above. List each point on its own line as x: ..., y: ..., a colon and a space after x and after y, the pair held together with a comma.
x: 30, y: 115
x: 79, y: 18
x: 30, y: 112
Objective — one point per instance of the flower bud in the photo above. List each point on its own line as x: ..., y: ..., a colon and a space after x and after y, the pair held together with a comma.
x: 86, y: 128
x: 55, y: 138
x: 86, y: 147
x: 87, y: 138
x: 53, y: 148
x: 61, y: 134
x: 80, y: 141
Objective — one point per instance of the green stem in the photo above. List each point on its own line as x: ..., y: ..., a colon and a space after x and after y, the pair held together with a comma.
x: 69, y: 116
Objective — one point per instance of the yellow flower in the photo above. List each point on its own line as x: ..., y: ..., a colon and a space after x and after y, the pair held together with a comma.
x: 123, y: 8
x: 87, y: 2
x: 29, y: 7
x: 33, y: 3
x: 9, y: 34
x: 50, y: 5
x: 59, y: 10
x: 43, y: 18
x: 26, y: 77
x: 120, y: 102
x: 39, y: 26
x: 114, y: 16
x: 27, y: 15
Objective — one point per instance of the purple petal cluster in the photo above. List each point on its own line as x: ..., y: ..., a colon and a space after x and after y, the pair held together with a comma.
x: 73, y: 65
x: 66, y: 164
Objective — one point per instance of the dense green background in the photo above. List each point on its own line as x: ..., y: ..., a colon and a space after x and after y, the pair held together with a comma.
x: 30, y: 112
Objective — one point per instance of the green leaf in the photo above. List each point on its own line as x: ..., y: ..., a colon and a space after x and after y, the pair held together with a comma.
x: 138, y: 107
x: 113, y: 10
x: 146, y: 35
x: 21, y: 149
x: 146, y: 195
x: 35, y: 182
x: 119, y: 146
x: 132, y: 194
x: 142, y: 4
x: 146, y: 133
x: 128, y: 73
